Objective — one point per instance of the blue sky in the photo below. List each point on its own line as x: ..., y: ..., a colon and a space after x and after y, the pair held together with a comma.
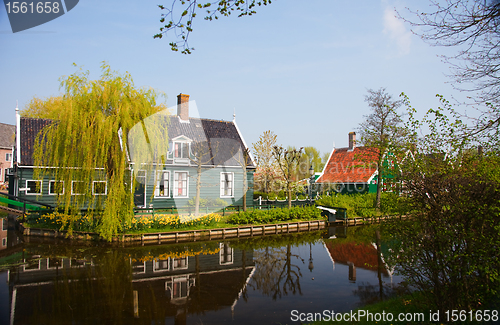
x: 298, y: 68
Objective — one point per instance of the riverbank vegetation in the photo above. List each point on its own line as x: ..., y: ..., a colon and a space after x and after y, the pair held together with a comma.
x: 362, y: 205
x: 173, y: 222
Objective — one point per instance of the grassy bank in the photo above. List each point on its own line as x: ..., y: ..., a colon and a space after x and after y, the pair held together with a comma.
x: 362, y: 205
x: 406, y: 309
x: 169, y: 222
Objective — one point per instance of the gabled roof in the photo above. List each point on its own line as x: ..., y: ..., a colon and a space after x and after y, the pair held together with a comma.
x: 350, y: 166
x: 7, y: 136
x: 223, y: 137
x: 29, y: 129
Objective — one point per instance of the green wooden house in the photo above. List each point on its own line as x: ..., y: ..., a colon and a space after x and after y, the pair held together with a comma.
x: 199, y: 155
x: 354, y: 169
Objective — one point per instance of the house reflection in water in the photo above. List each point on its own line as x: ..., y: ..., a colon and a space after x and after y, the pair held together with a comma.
x: 152, y: 288
x: 354, y: 254
x: 8, y: 239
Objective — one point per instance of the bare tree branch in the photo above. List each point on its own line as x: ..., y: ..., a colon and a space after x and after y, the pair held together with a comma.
x: 178, y: 17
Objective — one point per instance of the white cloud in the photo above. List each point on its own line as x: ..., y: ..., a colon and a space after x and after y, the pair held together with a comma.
x: 395, y: 28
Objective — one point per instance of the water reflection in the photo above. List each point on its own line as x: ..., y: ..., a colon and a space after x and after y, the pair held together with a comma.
x: 246, y: 281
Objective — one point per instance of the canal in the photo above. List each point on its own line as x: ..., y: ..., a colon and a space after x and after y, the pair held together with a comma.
x: 263, y: 280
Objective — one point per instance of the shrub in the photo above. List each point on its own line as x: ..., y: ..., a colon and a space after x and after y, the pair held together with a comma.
x: 357, y: 205
x: 208, y: 202
x: 275, y: 215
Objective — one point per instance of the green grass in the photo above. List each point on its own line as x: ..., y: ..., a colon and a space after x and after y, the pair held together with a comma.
x: 408, y: 306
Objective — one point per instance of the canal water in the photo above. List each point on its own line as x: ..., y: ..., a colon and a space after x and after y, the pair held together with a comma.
x: 265, y: 280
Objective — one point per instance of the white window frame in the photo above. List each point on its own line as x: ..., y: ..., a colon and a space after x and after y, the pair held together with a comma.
x: 160, y: 178
x: 223, y: 184
x: 157, y: 262
x: 7, y: 155
x: 28, y: 189
x: 32, y: 265
x: 53, y: 182
x: 105, y: 188
x: 183, y: 146
x: 180, y: 263
x: 138, y: 267
x: 72, y: 188
x: 54, y: 260
x: 226, y: 254
x: 176, y: 184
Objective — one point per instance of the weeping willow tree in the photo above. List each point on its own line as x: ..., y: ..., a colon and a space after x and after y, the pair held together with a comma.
x: 86, y: 147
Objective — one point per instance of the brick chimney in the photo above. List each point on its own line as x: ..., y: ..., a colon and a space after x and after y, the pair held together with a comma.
x: 183, y: 107
x: 352, y: 141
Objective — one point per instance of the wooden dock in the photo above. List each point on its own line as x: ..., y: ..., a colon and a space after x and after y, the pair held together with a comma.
x: 363, y: 221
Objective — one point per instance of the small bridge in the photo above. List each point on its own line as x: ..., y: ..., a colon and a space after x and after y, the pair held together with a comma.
x: 20, y: 206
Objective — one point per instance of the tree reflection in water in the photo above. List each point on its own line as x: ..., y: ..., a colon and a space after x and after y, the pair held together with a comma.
x: 203, y: 282
x: 275, y: 272
x: 99, y: 294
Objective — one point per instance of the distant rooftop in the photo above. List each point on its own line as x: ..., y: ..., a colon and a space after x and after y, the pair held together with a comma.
x: 7, y: 136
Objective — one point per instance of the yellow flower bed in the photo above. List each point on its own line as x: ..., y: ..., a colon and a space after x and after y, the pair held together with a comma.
x: 172, y: 221
x: 63, y: 221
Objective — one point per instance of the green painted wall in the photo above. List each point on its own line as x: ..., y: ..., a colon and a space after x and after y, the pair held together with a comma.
x: 210, y: 187
x: 25, y: 174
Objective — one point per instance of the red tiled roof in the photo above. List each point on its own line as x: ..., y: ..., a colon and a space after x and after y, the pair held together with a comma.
x: 350, y: 166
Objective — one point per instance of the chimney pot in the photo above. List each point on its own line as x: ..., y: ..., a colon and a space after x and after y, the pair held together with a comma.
x: 352, y: 140
x: 183, y: 107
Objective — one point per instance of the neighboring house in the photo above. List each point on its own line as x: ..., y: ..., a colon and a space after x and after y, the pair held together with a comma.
x: 7, y: 143
x: 351, y: 170
x: 174, y: 182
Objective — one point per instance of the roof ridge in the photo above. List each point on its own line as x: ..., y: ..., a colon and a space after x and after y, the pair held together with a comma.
x: 209, y: 119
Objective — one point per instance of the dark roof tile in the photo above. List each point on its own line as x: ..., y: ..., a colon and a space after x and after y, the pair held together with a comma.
x: 222, y: 136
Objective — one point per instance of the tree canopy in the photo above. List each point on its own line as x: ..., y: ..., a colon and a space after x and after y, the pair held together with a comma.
x: 448, y: 248
x: 266, y: 164
x: 88, y: 143
x: 381, y: 129
x: 288, y: 161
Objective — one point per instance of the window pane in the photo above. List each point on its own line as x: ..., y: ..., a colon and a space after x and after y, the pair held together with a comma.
x: 77, y: 187
x: 226, y: 184
x: 185, y: 150
x: 181, y: 184
x: 162, y: 184
x: 177, y: 149
x: 56, y: 187
x: 99, y: 188
x: 34, y: 187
